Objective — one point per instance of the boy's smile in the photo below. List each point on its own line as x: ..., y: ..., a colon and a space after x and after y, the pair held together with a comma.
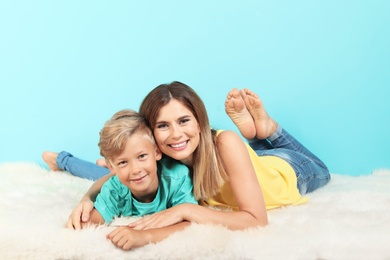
x: 136, y: 166
x: 138, y: 180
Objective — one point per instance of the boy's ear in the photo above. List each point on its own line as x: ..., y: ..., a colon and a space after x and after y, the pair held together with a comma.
x: 158, y: 154
x: 109, y: 166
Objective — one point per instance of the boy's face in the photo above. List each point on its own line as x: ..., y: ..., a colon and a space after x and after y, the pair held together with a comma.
x: 136, y: 167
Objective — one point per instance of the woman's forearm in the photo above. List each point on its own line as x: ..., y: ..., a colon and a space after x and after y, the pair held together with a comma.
x: 235, y: 220
x: 158, y: 234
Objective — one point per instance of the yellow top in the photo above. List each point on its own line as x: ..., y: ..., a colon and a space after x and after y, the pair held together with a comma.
x: 277, y: 180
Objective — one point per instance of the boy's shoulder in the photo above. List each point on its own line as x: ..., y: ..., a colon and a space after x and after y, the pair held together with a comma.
x: 112, y: 180
x: 114, y: 184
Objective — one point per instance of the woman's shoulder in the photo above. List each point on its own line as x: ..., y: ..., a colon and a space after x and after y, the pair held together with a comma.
x: 228, y: 141
x: 227, y: 136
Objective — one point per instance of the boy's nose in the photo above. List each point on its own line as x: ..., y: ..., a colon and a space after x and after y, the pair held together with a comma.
x: 135, y: 171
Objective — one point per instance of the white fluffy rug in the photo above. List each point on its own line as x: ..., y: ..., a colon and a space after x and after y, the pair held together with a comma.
x: 347, y: 219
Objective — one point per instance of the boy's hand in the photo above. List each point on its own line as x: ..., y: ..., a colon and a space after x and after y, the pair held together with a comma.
x: 128, y: 238
x: 80, y: 215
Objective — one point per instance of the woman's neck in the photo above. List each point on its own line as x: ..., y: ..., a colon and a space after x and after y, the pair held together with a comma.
x: 187, y: 162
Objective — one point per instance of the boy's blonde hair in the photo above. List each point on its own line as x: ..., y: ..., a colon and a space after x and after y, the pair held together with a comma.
x: 118, y: 129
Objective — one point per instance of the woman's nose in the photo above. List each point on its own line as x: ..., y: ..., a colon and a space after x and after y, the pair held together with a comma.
x: 176, y: 131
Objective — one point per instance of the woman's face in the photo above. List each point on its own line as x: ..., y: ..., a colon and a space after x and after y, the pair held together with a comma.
x: 177, y: 132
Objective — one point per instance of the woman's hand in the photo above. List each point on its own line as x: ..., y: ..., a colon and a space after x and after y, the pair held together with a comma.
x: 80, y: 215
x: 161, y: 219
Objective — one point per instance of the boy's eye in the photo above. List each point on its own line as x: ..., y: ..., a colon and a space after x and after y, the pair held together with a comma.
x: 143, y: 156
x: 121, y: 163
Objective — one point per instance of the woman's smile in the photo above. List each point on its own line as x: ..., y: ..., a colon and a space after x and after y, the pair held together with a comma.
x: 179, y: 146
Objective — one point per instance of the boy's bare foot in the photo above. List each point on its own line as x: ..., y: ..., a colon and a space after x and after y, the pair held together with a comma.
x: 264, y: 124
x: 102, y: 163
x: 236, y: 110
x: 50, y: 160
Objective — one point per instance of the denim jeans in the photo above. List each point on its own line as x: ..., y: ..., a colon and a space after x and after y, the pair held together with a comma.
x: 311, y: 172
x: 83, y: 169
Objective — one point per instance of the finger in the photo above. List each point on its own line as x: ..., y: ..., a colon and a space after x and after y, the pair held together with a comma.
x: 69, y: 223
x: 142, y: 224
x: 113, y: 233
x: 85, y: 216
x: 76, y: 221
x: 116, y: 238
x: 151, y: 222
x: 138, y: 223
x: 121, y: 242
x: 86, y: 211
x: 127, y: 246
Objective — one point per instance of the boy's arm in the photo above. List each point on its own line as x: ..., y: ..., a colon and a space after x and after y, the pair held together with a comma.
x: 81, y: 214
x: 94, y: 218
x: 128, y: 238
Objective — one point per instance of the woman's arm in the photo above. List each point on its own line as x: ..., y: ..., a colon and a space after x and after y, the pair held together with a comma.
x: 81, y: 214
x: 244, y: 183
x: 245, y: 186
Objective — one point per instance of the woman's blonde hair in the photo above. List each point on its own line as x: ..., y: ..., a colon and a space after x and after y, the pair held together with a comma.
x: 208, y: 171
x: 118, y: 129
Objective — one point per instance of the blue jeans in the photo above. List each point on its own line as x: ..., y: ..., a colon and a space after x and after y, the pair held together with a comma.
x: 311, y: 172
x: 83, y: 169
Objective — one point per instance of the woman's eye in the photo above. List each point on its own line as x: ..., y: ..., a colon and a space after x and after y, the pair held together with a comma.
x: 185, y: 120
x: 162, y: 126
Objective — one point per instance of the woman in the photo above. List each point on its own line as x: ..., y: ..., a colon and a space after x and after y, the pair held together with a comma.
x: 274, y: 170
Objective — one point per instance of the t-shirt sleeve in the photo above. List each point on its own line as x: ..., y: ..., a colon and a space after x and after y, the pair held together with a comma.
x: 107, y: 200
x: 183, y: 192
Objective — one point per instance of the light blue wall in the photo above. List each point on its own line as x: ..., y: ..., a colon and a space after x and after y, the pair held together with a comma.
x: 322, y: 69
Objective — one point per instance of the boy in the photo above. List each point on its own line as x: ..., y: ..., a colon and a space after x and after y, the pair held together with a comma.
x: 140, y: 185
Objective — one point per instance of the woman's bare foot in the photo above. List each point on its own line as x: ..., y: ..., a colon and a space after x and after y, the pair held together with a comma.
x: 50, y: 160
x: 236, y: 110
x: 264, y: 124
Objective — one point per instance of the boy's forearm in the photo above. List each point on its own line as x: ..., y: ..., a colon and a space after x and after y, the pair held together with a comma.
x: 127, y: 238
x: 96, y: 218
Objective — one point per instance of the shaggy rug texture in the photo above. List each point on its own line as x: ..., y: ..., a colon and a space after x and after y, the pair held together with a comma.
x: 347, y: 219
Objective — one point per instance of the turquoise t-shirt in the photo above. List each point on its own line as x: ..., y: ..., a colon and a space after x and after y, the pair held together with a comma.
x: 175, y: 187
